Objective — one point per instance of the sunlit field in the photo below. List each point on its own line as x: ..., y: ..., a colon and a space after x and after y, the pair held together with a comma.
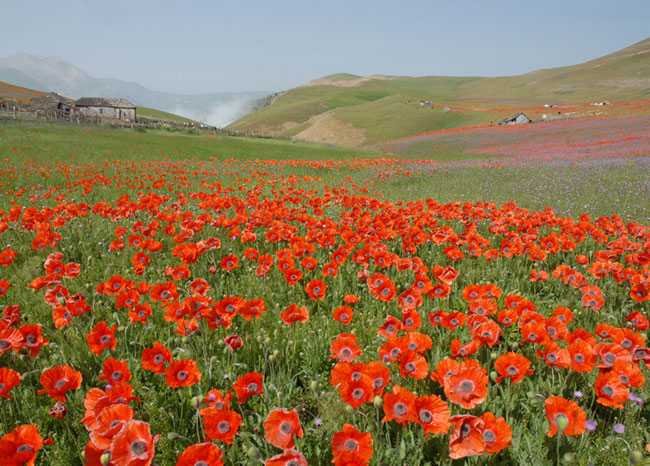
x: 174, y: 298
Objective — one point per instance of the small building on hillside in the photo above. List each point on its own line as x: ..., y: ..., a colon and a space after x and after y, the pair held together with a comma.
x: 51, y: 104
x: 105, y: 109
x: 518, y: 119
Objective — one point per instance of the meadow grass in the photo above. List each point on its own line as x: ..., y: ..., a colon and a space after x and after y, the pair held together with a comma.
x: 294, y: 359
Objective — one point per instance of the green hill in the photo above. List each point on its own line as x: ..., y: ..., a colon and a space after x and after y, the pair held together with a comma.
x: 353, y: 110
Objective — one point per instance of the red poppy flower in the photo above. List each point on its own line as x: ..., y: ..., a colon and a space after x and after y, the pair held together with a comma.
x: 221, y: 424
x: 343, y: 314
x: 20, y: 446
x: 512, y: 366
x: 432, y: 414
x: 281, y: 426
x: 400, y: 406
x: 229, y: 262
x: 497, y: 433
x: 252, y: 308
x: 413, y: 364
x: 10, y: 338
x: 390, y: 327
x: 350, y: 446
x: 467, y: 388
x: 233, y: 342
x: 293, y: 313
x: 4, y: 286
x: 58, y: 380
x: 248, y: 385
x: 559, y: 408
x: 110, y: 421
x: 134, y: 445
x: 8, y: 380
x: 101, y: 338
x: 316, y: 289
x: 115, y: 372
x: 287, y: 458
x: 182, y: 373
x: 358, y: 390
x: 154, y: 359
x: 215, y: 399
x: 610, y: 390
x: 351, y: 299
x: 203, y: 454
x: 467, y: 437
x: 344, y: 347
x: 33, y: 338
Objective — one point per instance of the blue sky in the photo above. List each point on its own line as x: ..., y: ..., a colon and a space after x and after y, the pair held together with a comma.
x: 239, y: 45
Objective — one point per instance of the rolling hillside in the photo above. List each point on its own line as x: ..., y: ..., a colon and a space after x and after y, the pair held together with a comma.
x: 357, y: 111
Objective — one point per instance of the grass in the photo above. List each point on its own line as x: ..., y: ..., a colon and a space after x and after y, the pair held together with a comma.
x: 219, y: 177
x: 56, y: 142
x: 153, y: 114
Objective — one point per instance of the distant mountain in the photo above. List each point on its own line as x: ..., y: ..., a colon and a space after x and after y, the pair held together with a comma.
x: 57, y: 75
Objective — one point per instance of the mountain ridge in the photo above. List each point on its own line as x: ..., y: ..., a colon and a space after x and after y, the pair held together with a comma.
x: 379, y: 108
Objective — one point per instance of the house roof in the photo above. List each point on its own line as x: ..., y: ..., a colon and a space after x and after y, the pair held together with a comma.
x: 512, y: 118
x: 103, y: 102
x: 50, y: 97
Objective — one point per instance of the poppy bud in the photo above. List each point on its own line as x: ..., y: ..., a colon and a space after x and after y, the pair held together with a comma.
x: 514, y: 346
x: 313, y: 386
x: 494, y: 355
x: 531, y: 395
x: 221, y: 343
x: 271, y: 358
x: 494, y: 376
x: 267, y: 341
x: 61, y: 300
x: 116, y: 316
x: 290, y: 343
x: 258, y: 338
x: 120, y: 328
x: 196, y: 401
x: 378, y: 402
x: 213, y: 361
x: 349, y: 409
x: 568, y: 458
x: 172, y: 436
x: 636, y: 457
x: 185, y: 339
x: 105, y: 459
x: 562, y: 423
x: 276, y: 353
x: 253, y: 453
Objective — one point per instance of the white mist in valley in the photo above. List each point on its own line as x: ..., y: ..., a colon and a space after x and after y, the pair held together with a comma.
x: 220, y: 113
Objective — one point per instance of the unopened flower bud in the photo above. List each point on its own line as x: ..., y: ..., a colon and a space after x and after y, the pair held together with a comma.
x: 253, y: 453
x: 105, y: 459
x: 349, y: 409
x: 378, y: 402
x: 562, y: 423
x: 636, y: 457
x: 313, y: 386
x: 494, y: 376
x: 196, y: 401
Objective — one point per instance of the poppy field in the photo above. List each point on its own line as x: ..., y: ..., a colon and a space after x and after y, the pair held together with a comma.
x: 171, y: 308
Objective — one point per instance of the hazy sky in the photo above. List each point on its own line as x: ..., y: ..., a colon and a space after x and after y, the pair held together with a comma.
x: 238, y: 45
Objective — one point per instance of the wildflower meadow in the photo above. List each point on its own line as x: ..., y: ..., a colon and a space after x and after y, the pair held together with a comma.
x: 190, y: 307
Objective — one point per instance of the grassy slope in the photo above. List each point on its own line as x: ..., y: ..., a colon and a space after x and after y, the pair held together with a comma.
x: 153, y: 114
x: 12, y: 91
x: 381, y: 108
x: 48, y: 142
